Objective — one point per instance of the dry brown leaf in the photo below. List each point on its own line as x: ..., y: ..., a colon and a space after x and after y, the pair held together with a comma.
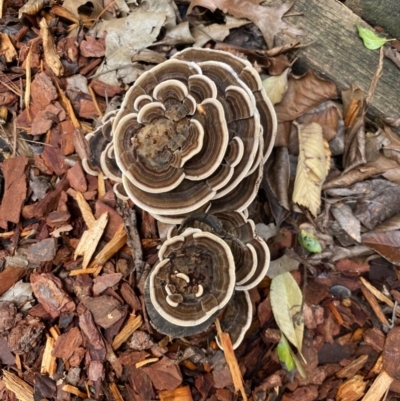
x: 303, y: 94
x: 177, y: 35
x: 125, y: 37
x: 312, y: 167
x: 393, y: 175
x: 216, y: 32
x: 387, y: 244
x: 277, y: 175
x: 391, y: 224
x: 361, y: 173
x: 267, y: 19
x: 327, y: 115
x: 354, y: 140
x: 276, y: 183
x: 378, y: 206
x: 344, y: 216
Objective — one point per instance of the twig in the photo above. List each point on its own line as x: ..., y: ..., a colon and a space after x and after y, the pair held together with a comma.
x: 376, y: 77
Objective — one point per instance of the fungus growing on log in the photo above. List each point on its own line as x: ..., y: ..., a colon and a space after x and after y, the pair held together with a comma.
x: 192, y: 134
x: 204, y: 271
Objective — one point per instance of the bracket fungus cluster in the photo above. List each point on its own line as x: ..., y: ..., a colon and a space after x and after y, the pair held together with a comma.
x: 205, y: 270
x: 192, y: 135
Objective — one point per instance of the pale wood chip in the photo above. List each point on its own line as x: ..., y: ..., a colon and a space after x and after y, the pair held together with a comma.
x: 145, y: 362
x: 22, y: 390
x: 133, y: 323
x: 90, y: 238
x: 85, y: 210
x: 49, y: 364
x: 231, y: 360
x: 74, y: 390
x: 380, y: 385
x: 110, y: 249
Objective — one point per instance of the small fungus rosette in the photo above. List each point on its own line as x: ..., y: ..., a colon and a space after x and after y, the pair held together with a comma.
x: 193, y: 134
x: 193, y: 281
x: 205, y: 269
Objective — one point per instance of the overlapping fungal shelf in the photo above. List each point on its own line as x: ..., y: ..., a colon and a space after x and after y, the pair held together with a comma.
x: 205, y: 270
x: 192, y: 134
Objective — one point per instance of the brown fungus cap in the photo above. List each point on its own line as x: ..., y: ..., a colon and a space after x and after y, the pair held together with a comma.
x: 194, y: 281
x: 193, y: 134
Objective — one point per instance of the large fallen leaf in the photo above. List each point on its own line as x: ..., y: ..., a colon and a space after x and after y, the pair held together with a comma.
x: 379, y: 166
x: 125, y: 37
x: 267, y: 19
x: 344, y: 216
x: 391, y: 224
x: 378, y: 206
x: 177, y: 35
x: 312, y: 167
x: 303, y: 94
x: 286, y: 302
x: 386, y: 244
x: 327, y: 115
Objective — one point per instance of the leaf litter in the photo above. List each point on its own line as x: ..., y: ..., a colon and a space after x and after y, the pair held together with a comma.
x: 332, y: 171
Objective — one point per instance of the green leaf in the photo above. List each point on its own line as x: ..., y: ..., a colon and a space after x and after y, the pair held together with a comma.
x: 309, y: 242
x: 285, y: 354
x: 371, y: 40
x: 286, y: 300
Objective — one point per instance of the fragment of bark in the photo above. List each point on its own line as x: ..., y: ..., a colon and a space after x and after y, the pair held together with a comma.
x: 15, y: 190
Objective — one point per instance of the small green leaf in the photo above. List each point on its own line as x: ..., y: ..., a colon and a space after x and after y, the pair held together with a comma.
x: 309, y: 242
x: 285, y: 354
x: 371, y: 40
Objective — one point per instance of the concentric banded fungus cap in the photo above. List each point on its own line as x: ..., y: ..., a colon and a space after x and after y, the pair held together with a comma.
x: 101, y: 158
x: 179, y: 254
x: 192, y: 134
x: 250, y: 252
x: 193, y: 281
